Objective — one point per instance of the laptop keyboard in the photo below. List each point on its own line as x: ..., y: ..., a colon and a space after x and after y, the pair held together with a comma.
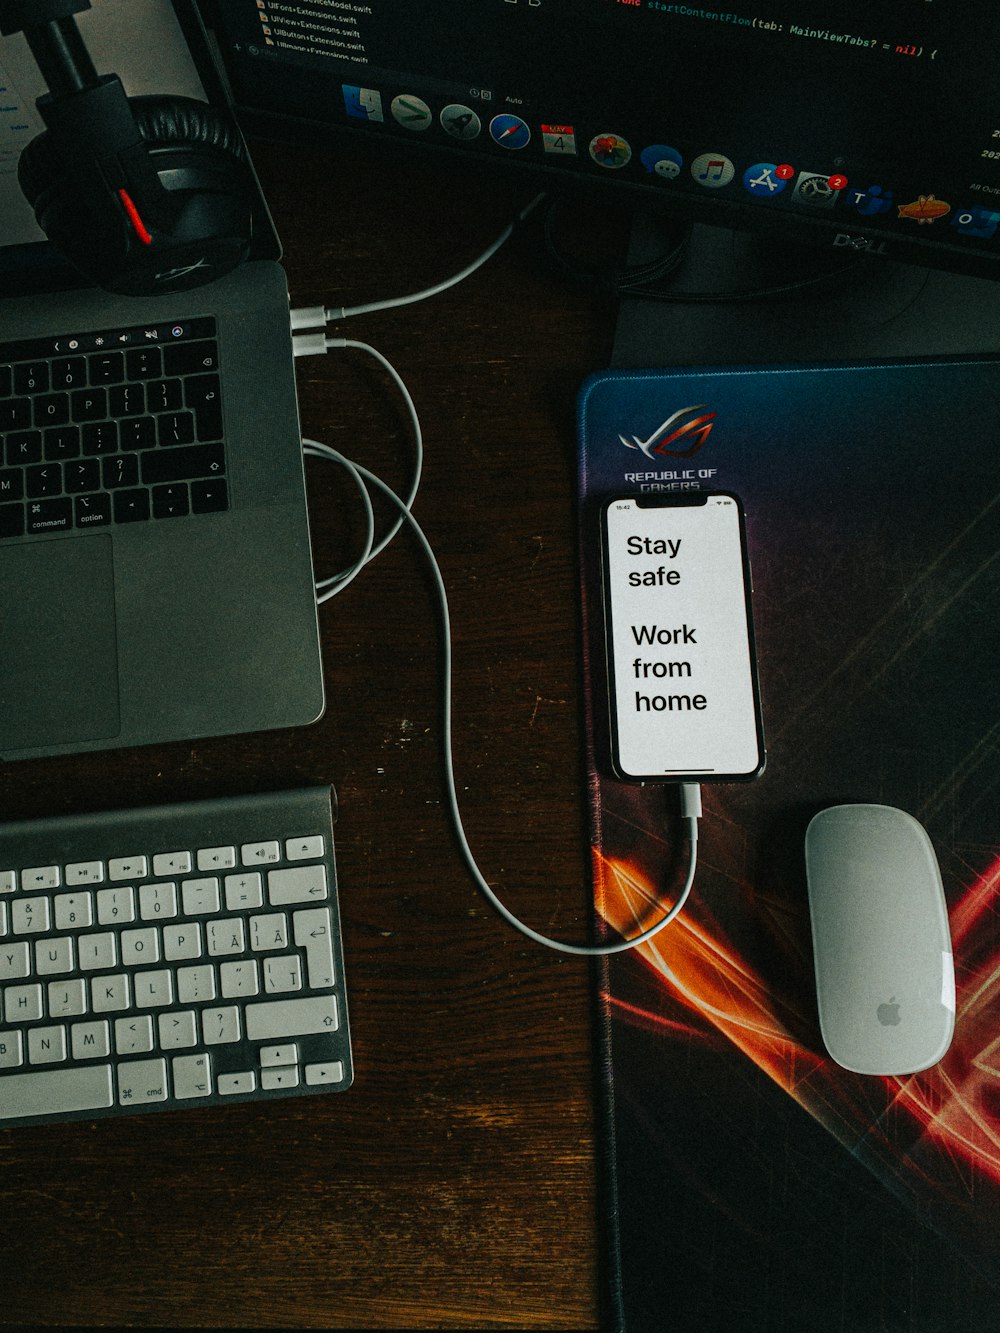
x: 175, y: 956
x: 115, y: 426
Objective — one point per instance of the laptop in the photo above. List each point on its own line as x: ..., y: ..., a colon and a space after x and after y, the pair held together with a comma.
x: 156, y: 578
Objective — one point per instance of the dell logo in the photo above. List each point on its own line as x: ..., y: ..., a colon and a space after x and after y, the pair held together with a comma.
x: 860, y: 243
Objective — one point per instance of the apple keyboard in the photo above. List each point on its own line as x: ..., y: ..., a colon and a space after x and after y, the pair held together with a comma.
x: 170, y: 956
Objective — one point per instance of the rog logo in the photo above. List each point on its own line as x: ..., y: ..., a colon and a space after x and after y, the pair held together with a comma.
x: 671, y: 433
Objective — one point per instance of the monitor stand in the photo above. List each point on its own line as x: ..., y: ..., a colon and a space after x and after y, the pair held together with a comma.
x: 876, y: 310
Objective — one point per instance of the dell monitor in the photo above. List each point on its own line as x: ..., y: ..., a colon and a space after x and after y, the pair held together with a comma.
x: 863, y: 128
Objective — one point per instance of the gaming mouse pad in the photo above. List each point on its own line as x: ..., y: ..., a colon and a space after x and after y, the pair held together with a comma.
x: 750, y: 1182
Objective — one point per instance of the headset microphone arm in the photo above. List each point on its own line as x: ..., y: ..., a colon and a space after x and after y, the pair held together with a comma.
x: 49, y: 27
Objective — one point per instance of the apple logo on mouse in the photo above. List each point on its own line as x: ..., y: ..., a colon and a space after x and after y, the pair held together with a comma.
x: 888, y: 1013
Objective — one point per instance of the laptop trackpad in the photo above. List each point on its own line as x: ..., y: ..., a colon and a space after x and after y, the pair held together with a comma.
x: 59, y: 657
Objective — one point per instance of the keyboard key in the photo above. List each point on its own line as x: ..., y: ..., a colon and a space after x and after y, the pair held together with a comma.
x: 172, y: 863
x: 209, y: 497
x: 292, y: 1018
x: 109, y: 994
x: 92, y: 511
x: 133, y: 1036
x: 178, y: 1030
x: 216, y: 858
x: 69, y: 372
x: 260, y: 853
x: 54, y: 956
x: 300, y: 884
x: 31, y: 377
x: 192, y: 1076
x: 23, y: 447
x: 221, y: 1025
x: 153, y: 990
x: 122, y: 470
x: 50, y: 515
x: 203, y: 394
x: 89, y: 405
x: 164, y: 395
x: 82, y: 475
x: 51, y: 409
x: 330, y: 1072
x: 137, y: 433
x: 313, y: 932
x: 142, y: 1081
x: 157, y: 902
x: 90, y: 1040
x: 174, y: 428
x: 279, y: 1078
x: 55, y: 1092
x: 61, y: 443
x: 238, y: 979
x: 107, y: 368
x: 181, y: 464
x: 67, y: 999
x: 230, y: 1084
x: 304, y: 849
x: 97, y: 951
x: 41, y: 877
x: 189, y: 358
x: 143, y: 363
x: 15, y: 961
x: 195, y: 983
x: 43, y: 480
x: 29, y: 916
x: 282, y: 973
x: 22, y: 1004
x: 170, y: 501
x: 200, y: 896
x: 15, y: 413
x: 244, y: 891
x: 99, y: 437
x: 131, y: 506
x: 115, y: 906
x: 74, y: 911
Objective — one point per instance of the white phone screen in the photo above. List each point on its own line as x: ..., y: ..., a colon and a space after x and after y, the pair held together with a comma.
x: 680, y: 640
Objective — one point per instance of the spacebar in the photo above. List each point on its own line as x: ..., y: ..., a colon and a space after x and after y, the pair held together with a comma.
x: 55, y: 1090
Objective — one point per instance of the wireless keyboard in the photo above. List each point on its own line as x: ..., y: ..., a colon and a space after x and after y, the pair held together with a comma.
x: 174, y: 956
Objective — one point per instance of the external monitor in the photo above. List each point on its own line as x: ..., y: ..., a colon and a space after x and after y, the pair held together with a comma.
x: 859, y: 126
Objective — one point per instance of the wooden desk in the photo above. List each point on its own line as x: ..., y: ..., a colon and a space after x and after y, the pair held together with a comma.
x: 454, y: 1186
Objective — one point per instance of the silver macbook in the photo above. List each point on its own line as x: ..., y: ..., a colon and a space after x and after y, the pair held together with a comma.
x: 156, y: 577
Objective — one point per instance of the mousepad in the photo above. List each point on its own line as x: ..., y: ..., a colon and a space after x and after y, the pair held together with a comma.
x: 750, y: 1182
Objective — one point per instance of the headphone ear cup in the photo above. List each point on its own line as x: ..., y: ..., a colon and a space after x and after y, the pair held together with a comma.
x: 170, y: 122
x: 199, y: 159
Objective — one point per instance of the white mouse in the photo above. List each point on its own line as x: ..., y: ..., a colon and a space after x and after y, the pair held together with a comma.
x: 885, y: 979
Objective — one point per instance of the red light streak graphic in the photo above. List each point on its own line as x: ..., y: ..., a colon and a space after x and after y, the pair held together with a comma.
x: 941, y: 1123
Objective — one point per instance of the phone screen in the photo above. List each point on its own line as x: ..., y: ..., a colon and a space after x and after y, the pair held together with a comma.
x: 681, y: 666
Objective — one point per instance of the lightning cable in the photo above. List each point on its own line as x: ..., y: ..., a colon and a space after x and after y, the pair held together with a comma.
x: 690, y: 791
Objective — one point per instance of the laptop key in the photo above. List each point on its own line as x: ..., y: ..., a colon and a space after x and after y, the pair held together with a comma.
x: 183, y: 463
x: 131, y: 506
x: 50, y: 515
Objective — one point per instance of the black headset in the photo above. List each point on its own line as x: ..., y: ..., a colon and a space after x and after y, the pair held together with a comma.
x: 144, y: 195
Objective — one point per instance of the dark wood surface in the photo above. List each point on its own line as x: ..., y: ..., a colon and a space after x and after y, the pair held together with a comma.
x: 455, y: 1185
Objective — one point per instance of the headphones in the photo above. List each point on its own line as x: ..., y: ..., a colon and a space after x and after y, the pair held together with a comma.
x: 144, y: 195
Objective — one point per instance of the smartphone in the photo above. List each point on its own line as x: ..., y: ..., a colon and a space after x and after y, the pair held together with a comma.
x: 682, y: 668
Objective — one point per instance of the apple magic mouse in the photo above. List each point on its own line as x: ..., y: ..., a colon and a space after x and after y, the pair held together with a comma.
x: 885, y: 979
